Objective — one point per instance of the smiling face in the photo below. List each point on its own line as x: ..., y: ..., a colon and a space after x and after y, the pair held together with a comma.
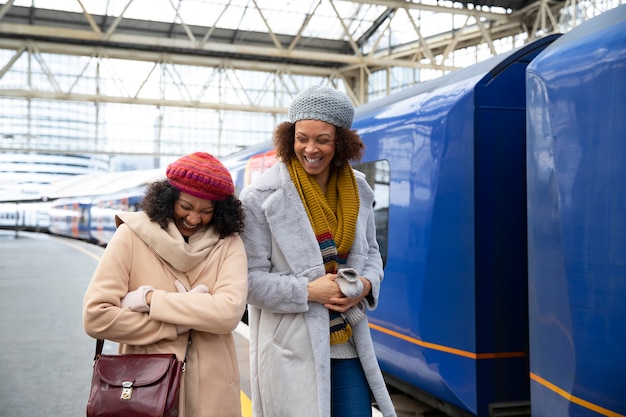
x: 192, y: 213
x: 314, y: 147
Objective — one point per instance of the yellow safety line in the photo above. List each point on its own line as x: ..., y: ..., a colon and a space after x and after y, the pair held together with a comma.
x: 448, y: 349
x: 79, y: 248
x: 246, y: 405
x: 573, y: 399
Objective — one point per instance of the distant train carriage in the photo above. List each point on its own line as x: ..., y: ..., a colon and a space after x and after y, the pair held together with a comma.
x: 105, y: 207
x: 25, y: 215
x: 71, y: 217
x: 90, y: 214
x: 258, y: 164
x: 577, y: 221
x: 249, y: 163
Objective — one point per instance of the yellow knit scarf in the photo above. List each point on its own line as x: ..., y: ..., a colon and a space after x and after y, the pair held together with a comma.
x: 333, y: 218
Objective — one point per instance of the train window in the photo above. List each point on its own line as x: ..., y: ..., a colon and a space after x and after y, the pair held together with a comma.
x: 378, y: 177
x: 84, y: 216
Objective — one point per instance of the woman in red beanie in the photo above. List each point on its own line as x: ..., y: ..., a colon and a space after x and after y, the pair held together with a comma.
x: 177, y: 271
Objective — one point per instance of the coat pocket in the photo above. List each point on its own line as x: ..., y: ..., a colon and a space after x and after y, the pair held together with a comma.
x: 291, y: 331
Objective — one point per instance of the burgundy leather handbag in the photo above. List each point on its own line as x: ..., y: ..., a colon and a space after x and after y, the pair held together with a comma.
x: 134, y: 385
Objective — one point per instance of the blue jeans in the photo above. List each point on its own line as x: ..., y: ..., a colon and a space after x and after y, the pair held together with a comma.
x: 350, y: 394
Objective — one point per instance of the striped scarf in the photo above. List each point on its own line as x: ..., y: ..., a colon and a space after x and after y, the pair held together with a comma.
x: 333, y: 218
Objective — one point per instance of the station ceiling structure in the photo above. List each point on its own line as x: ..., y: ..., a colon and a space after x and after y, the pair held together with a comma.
x: 346, y: 43
x: 337, y: 39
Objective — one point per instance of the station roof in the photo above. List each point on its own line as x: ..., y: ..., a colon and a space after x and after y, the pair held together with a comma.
x: 88, y: 185
x: 101, y: 184
x: 323, y: 33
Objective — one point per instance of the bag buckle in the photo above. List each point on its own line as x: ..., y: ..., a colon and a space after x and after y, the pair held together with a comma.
x: 127, y: 390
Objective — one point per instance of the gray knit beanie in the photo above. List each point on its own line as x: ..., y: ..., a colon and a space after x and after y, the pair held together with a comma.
x: 322, y: 103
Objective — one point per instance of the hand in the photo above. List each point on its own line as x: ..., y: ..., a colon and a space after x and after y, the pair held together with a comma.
x: 136, y: 300
x: 199, y: 289
x: 181, y: 288
x: 343, y: 304
x: 322, y: 289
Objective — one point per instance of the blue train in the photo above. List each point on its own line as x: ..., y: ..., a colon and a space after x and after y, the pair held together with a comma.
x: 505, y: 239
x: 449, y: 166
x: 501, y: 217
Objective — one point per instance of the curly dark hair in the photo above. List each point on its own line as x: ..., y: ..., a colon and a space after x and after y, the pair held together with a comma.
x: 349, y: 146
x: 159, y: 200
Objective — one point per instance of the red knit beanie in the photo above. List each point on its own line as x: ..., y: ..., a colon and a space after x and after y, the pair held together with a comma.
x: 201, y: 175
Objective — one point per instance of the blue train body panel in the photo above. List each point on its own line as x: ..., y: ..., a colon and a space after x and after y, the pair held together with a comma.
x: 452, y: 320
x: 577, y: 221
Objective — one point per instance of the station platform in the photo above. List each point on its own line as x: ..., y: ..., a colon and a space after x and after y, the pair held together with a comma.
x: 45, y: 355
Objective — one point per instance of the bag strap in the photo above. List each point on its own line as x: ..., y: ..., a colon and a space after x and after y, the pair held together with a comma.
x: 100, y: 345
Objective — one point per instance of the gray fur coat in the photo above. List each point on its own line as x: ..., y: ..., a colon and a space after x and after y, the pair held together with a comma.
x: 289, y: 337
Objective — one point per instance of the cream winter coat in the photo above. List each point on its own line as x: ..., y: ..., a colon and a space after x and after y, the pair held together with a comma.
x: 289, y: 337
x: 141, y: 253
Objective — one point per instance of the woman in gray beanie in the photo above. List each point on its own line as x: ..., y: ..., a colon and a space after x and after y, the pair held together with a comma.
x: 313, y: 269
